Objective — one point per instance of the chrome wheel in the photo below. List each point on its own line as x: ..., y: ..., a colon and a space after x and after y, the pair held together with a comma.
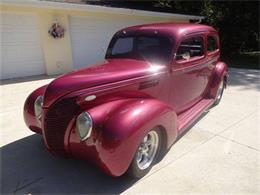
x: 147, y: 150
x: 220, y: 91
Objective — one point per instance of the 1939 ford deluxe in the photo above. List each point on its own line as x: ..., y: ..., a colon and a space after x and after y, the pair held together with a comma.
x: 125, y: 112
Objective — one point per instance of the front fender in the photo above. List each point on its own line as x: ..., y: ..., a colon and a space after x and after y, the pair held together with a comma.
x: 219, y: 73
x: 119, y: 128
x: 28, y: 111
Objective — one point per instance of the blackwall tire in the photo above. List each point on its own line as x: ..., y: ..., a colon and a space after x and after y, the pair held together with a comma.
x: 219, y: 93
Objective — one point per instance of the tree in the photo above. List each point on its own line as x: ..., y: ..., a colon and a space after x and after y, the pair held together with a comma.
x: 236, y: 21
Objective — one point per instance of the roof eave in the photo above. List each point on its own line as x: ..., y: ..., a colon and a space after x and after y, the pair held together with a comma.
x: 94, y: 8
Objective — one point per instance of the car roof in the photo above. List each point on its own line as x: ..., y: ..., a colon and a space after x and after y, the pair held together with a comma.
x: 173, y: 29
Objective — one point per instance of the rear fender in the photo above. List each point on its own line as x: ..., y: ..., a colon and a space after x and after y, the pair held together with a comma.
x: 220, y: 73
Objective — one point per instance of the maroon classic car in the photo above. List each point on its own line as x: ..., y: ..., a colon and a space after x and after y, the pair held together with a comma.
x: 123, y: 114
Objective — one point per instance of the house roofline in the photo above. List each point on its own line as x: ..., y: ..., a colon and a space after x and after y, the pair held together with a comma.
x: 95, y: 8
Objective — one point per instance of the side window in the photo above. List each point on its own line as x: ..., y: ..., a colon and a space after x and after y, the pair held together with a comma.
x: 123, y: 45
x: 190, y: 48
x: 212, y: 44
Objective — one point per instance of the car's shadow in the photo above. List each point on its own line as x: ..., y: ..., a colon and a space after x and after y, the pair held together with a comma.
x: 27, y: 167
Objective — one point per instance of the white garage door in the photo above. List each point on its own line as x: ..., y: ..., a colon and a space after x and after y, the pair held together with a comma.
x: 90, y: 37
x: 21, y: 54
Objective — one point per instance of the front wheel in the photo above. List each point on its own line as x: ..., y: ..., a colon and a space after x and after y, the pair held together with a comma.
x: 146, y: 154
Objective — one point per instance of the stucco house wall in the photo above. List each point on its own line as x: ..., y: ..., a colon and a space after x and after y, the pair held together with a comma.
x: 57, y: 53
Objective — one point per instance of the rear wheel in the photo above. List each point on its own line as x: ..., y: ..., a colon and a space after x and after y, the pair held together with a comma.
x: 146, y: 154
x: 219, y: 93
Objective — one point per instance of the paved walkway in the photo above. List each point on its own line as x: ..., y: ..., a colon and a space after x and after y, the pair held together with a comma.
x: 220, y: 154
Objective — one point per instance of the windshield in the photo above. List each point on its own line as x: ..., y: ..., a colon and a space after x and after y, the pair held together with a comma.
x: 155, y: 49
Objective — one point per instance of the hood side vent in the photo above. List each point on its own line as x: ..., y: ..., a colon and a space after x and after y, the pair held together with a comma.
x: 148, y: 84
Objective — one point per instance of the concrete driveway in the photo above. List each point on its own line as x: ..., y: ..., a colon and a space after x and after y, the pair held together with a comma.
x: 218, y: 155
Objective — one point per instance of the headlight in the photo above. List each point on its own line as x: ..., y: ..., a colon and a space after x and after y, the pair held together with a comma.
x: 84, y: 125
x: 38, y: 106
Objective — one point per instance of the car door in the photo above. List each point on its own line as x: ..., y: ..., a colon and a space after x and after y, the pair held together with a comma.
x: 213, y: 53
x: 189, y: 72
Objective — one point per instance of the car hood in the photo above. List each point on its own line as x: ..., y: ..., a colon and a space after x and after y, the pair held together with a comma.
x: 108, y: 71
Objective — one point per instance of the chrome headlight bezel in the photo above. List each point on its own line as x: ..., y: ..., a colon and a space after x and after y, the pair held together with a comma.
x: 38, y: 103
x: 84, y: 125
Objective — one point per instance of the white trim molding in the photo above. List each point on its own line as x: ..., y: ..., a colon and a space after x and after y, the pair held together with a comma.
x: 95, y: 8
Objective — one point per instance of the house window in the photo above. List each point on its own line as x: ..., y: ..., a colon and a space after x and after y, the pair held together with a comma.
x: 212, y: 44
x: 190, y: 48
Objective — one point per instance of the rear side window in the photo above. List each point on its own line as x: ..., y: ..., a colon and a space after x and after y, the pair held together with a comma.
x: 190, y: 48
x: 212, y: 44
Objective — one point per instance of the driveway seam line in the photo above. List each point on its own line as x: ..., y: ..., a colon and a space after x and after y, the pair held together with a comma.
x: 250, y: 147
x: 184, y: 154
x: 214, y: 135
x: 26, y: 185
x: 237, y: 122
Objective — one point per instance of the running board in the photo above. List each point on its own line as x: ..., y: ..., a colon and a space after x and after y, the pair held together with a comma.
x: 188, y: 117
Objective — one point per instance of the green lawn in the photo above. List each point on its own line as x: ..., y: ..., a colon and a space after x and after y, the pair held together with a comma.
x: 248, y: 60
